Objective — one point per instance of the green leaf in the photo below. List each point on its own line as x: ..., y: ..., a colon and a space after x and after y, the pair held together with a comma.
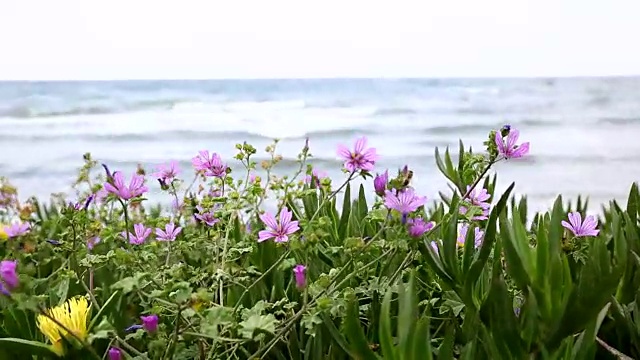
x: 516, y: 265
x: 258, y: 323
x: 407, y: 315
x: 422, y: 341
x: 107, y: 306
x: 585, y: 345
x: 346, y: 212
x: 23, y: 347
x: 355, y: 333
x: 385, y: 335
x: 482, y: 256
x: 335, y: 333
x: 497, y: 313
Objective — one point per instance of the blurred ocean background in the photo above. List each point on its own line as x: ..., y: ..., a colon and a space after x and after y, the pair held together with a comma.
x: 584, y: 132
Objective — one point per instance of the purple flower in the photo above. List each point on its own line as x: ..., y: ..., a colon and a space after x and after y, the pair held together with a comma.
x: 434, y: 246
x: 360, y: 158
x: 141, y: 233
x: 115, y: 354
x: 92, y: 242
x: 417, y: 227
x: 300, y: 273
x: 462, y: 236
x: 588, y: 227
x: 150, y: 322
x: 317, y: 175
x: 177, y: 204
x: 252, y: 177
x: 206, y: 217
x: 169, y: 233
x: 380, y: 183
x: 167, y: 172
x: 100, y: 195
x: 210, y: 165
x: 279, y: 231
x: 510, y: 149
x: 478, y: 199
x: 133, y: 328
x: 17, y: 229
x: 405, y: 201
x: 136, y: 186
x: 8, y: 275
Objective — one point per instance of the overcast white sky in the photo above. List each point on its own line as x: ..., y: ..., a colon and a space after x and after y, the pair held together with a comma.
x: 127, y: 39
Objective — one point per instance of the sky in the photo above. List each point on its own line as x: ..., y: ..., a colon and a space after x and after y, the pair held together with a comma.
x: 211, y: 39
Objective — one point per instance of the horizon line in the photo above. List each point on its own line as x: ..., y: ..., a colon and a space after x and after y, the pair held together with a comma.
x: 531, y: 77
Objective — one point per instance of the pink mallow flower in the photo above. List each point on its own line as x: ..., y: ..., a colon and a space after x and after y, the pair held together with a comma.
x: 300, y: 274
x: 317, y: 175
x: 478, y: 199
x: 417, y: 227
x: 206, y: 217
x: 510, y: 149
x: 91, y: 242
x: 150, y: 322
x: 169, y: 233
x: 380, y: 183
x: 579, y: 228
x: 167, y: 172
x: 8, y: 276
x: 17, y: 229
x: 279, y: 231
x: 404, y: 202
x: 139, y: 235
x: 435, y: 246
x: 115, y: 354
x: 136, y: 186
x: 462, y: 236
x: 361, y: 158
x: 210, y: 165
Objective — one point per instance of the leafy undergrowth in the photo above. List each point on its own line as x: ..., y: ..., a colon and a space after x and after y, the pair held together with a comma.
x: 467, y: 276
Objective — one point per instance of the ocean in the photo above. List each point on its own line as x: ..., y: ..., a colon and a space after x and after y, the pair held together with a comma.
x: 584, y: 132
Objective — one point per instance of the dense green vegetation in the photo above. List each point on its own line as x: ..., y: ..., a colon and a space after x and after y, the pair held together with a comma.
x: 468, y: 276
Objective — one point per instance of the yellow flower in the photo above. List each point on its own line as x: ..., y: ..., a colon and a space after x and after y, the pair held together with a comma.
x: 3, y: 234
x: 73, y: 315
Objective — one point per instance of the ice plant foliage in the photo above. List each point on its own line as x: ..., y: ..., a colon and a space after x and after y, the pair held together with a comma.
x: 360, y: 158
x: 72, y: 315
x: 510, y: 149
x: 118, y: 187
x: 279, y: 231
x: 579, y: 228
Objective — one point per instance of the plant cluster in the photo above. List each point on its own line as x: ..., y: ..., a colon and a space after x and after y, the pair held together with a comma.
x: 468, y: 276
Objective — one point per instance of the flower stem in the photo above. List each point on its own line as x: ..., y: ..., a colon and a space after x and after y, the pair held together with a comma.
x: 126, y: 218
